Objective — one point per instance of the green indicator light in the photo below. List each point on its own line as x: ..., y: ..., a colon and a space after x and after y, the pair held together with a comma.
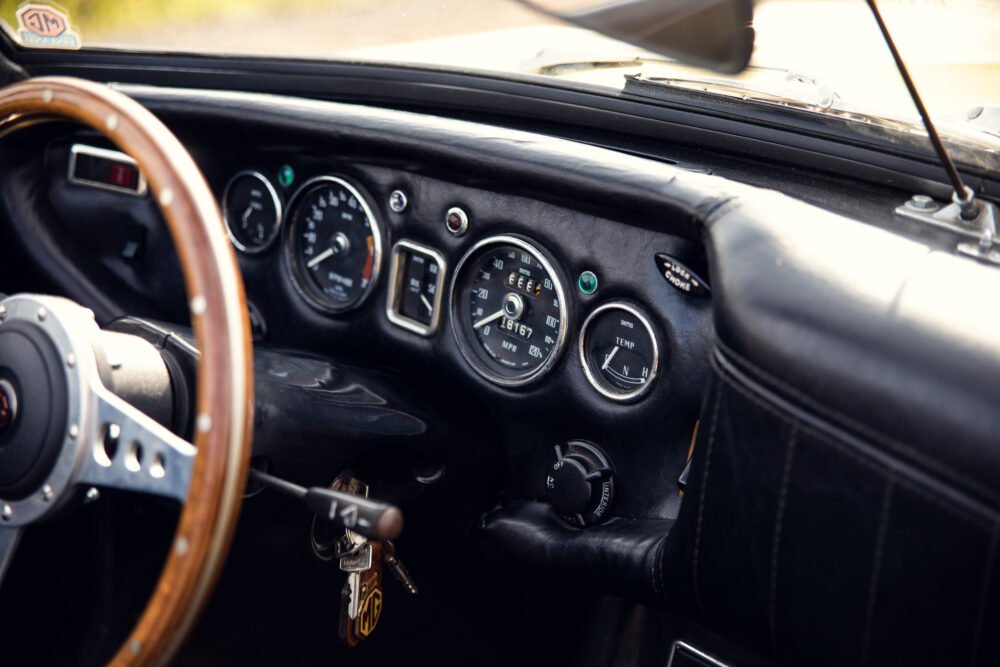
x: 587, y: 282
x: 286, y: 176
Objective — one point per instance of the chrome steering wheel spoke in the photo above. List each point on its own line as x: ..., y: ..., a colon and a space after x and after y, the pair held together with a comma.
x: 131, y: 451
x: 9, y: 538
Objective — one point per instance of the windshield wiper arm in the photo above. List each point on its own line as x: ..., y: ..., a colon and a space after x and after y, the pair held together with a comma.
x: 571, y: 66
x: 824, y: 98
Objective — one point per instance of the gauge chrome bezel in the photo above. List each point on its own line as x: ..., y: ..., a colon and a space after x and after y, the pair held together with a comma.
x: 395, y: 292
x: 278, y: 208
x: 458, y: 331
x: 301, y: 283
x: 594, y: 378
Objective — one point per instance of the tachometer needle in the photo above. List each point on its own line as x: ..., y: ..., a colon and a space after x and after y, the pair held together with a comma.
x: 326, y: 254
x: 427, y: 304
x: 486, y: 320
x: 607, y: 359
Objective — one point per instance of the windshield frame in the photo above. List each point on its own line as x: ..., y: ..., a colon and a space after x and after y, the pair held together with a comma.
x: 761, y: 129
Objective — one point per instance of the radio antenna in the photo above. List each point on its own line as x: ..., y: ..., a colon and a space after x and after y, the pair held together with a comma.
x: 963, y: 196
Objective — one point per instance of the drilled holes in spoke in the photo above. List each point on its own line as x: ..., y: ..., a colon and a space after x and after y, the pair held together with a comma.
x: 149, y: 458
x: 133, y: 457
x: 158, y: 467
x: 107, y: 448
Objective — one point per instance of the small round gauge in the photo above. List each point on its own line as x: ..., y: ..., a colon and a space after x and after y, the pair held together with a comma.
x: 619, y: 351
x: 334, y: 245
x: 509, y: 311
x: 252, y: 211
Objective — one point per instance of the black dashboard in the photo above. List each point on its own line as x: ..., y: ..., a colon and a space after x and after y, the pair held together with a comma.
x: 606, y: 341
x: 557, y: 312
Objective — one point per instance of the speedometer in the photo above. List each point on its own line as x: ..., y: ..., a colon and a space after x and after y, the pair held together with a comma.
x: 334, y: 246
x: 509, y: 312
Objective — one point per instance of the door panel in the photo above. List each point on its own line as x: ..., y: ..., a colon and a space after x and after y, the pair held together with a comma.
x: 842, y: 506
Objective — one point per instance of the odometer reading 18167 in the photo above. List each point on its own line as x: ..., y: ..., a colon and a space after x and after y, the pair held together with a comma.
x: 509, y: 308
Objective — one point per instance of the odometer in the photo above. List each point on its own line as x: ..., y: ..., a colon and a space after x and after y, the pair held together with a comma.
x: 334, y: 244
x: 508, y: 310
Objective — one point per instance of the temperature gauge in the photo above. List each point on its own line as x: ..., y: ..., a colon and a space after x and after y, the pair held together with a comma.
x: 415, y: 288
x: 619, y: 351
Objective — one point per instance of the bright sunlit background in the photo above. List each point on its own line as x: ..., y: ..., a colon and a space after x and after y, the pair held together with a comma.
x: 953, y: 46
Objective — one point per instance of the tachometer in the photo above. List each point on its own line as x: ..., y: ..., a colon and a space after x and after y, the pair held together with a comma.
x: 334, y: 247
x: 509, y: 311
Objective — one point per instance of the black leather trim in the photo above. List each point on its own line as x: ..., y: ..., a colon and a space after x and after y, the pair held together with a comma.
x: 890, y: 338
x: 623, y: 557
x: 738, y: 373
x: 653, y: 194
x: 812, y: 545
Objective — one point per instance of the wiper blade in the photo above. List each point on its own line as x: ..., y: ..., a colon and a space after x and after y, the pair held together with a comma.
x: 799, y: 90
x: 670, y: 82
x: 572, y: 66
x: 785, y: 87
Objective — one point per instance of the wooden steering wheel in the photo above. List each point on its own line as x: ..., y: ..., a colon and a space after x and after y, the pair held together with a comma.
x: 62, y: 441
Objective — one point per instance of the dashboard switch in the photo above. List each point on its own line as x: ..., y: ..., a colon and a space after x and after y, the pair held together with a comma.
x: 681, y: 277
x: 398, y: 201
x: 580, y: 483
x: 135, y: 243
x: 456, y: 221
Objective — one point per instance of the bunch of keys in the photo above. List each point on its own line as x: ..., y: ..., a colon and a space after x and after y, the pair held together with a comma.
x: 362, y: 560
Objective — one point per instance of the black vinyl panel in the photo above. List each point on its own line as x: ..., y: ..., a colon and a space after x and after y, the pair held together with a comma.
x: 823, y: 552
x: 932, y: 561
x: 733, y: 541
x: 810, y: 550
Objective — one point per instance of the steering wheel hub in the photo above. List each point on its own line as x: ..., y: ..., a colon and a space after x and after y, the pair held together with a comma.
x: 8, y: 405
x: 33, y: 407
x: 40, y: 401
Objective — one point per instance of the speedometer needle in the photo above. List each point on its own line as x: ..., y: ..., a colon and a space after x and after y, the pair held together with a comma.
x: 607, y: 359
x: 427, y: 304
x: 486, y: 320
x: 326, y: 254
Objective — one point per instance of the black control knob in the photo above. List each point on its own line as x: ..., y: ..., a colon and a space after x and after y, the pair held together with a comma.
x: 580, y: 483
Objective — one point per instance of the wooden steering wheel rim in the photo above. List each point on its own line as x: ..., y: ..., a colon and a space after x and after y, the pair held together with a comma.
x: 224, y: 399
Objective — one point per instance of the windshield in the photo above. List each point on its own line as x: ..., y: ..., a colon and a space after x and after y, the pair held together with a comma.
x: 951, y: 46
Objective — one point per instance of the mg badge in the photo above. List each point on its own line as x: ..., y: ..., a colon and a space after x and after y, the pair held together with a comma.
x: 371, y: 610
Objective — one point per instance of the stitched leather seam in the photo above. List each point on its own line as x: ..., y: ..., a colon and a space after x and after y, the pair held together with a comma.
x: 987, y: 580
x: 701, y: 501
x: 877, y: 567
x: 982, y: 522
x: 918, y: 455
x: 778, y: 521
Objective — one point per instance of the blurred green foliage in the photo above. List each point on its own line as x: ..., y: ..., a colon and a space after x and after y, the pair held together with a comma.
x: 99, y: 15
